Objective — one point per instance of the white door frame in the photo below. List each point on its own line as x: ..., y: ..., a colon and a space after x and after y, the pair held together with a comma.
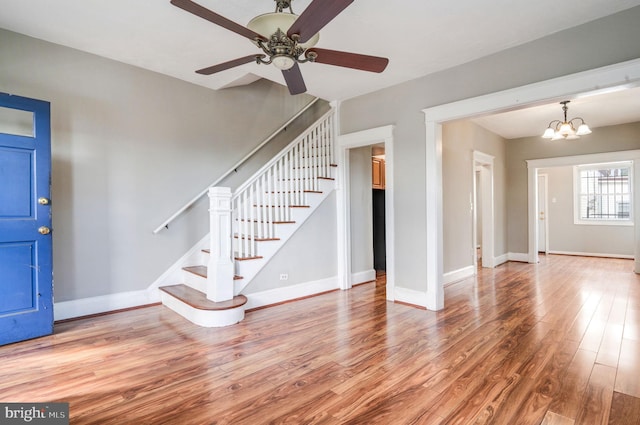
x: 545, y: 227
x: 613, y: 77
x: 484, y: 163
x: 347, y: 142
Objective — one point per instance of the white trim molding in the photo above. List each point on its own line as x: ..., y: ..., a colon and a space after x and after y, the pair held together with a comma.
x: 288, y: 293
x: 411, y: 296
x: 363, y: 277
x: 521, y: 257
x: 593, y: 254
x: 458, y: 275
x: 104, y: 303
x: 346, y: 142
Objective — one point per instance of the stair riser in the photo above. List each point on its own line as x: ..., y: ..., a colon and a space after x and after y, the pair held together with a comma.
x: 195, y: 281
x: 205, y: 318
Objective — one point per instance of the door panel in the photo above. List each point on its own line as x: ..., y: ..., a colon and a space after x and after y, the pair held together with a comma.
x: 16, y: 199
x: 26, y: 270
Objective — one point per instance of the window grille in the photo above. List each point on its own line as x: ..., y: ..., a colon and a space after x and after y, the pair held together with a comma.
x: 603, y: 193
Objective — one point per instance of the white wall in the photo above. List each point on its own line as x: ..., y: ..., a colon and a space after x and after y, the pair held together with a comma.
x: 578, y: 49
x: 129, y: 147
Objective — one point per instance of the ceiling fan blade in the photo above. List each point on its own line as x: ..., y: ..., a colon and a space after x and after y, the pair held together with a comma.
x: 294, y: 80
x: 349, y: 60
x: 318, y: 14
x: 210, y: 16
x: 226, y: 65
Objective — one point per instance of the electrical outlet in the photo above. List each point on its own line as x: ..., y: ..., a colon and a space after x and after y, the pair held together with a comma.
x: 284, y: 276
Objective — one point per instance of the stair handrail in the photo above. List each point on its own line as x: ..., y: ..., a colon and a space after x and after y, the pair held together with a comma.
x: 282, y: 153
x: 165, y: 224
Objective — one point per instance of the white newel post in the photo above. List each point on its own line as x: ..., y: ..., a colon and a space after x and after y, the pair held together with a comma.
x: 220, y: 267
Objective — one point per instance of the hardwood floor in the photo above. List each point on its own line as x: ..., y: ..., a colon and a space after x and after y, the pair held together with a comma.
x: 553, y: 343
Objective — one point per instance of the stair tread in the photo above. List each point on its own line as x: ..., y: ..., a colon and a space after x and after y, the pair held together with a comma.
x: 256, y: 239
x: 274, y: 222
x: 293, y: 191
x: 278, y: 206
x: 202, y: 270
x: 199, y: 300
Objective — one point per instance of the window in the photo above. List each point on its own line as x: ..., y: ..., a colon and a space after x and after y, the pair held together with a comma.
x: 603, y: 194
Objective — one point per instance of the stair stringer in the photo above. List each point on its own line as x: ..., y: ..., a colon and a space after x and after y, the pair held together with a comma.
x: 250, y: 268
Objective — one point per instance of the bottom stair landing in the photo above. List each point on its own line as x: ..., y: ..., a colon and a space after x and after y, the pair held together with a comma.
x: 196, y: 307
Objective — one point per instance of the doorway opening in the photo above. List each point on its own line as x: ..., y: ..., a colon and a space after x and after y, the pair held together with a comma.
x: 483, y: 211
x: 379, y: 137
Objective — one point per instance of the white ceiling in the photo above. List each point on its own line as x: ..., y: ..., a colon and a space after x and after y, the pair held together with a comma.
x: 598, y: 110
x: 419, y: 37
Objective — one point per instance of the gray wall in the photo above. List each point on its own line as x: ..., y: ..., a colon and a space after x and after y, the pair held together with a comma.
x: 459, y: 140
x: 129, y: 147
x: 313, y: 247
x: 603, y: 139
x: 361, y: 204
x: 603, y: 42
x: 565, y: 236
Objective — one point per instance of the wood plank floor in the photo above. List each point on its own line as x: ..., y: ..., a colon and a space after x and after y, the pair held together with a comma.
x: 553, y: 343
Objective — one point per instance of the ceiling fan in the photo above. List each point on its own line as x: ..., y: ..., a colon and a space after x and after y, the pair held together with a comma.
x: 288, y: 39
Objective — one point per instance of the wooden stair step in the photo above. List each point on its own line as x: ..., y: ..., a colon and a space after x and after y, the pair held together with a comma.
x: 202, y: 270
x: 199, y: 300
x: 295, y: 191
x: 256, y: 239
x: 274, y: 222
x: 257, y: 257
x: 278, y: 206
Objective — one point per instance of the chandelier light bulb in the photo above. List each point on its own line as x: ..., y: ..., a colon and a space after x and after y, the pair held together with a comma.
x: 583, y: 129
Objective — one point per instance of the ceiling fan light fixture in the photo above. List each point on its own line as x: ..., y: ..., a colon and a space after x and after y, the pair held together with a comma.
x: 283, y: 62
x: 269, y: 23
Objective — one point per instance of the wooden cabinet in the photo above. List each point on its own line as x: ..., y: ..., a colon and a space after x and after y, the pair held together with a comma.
x: 377, y: 172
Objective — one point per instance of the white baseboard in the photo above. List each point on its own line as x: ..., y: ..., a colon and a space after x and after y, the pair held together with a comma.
x: 457, y: 275
x: 501, y: 259
x: 594, y: 254
x: 362, y: 277
x: 410, y: 296
x: 518, y: 256
x: 104, y: 303
x: 288, y: 293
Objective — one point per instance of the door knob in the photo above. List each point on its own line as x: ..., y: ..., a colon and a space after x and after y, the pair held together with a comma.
x: 44, y: 230
x: 43, y: 201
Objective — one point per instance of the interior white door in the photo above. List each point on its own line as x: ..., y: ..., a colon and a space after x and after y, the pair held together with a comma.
x: 542, y: 214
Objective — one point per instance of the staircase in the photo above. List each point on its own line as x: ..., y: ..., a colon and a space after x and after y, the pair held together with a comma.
x: 249, y: 226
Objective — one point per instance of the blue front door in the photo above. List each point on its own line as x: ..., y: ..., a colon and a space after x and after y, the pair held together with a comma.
x: 26, y: 271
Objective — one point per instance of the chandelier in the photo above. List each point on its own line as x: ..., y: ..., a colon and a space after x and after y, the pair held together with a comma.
x: 565, y: 129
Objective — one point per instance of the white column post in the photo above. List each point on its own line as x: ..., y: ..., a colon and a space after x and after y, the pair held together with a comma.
x: 220, y: 267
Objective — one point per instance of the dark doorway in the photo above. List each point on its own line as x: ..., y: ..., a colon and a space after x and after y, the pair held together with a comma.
x: 379, y: 242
